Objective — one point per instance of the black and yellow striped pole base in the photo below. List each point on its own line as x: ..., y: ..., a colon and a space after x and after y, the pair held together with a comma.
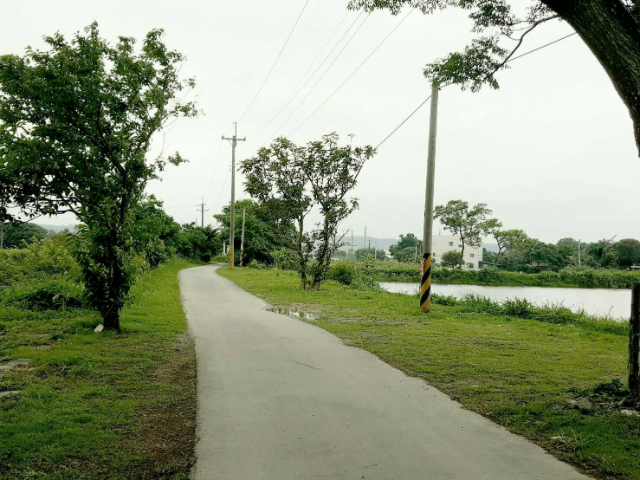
x: 425, y: 283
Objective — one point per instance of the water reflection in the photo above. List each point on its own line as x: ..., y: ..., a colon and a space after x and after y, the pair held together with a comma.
x: 293, y: 313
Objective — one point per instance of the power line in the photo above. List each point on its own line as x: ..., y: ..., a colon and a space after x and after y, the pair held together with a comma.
x: 354, y: 72
x: 215, y: 169
x: 302, y: 30
x: 543, y: 46
x: 290, y: 98
x: 276, y: 62
x: 403, y: 122
x: 322, y: 76
x: 510, y: 60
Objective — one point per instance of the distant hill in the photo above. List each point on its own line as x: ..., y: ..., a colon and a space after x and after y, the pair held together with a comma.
x: 358, y: 241
x: 491, y: 247
x: 57, y: 228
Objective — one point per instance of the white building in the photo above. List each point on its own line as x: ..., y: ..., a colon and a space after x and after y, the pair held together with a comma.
x: 446, y: 243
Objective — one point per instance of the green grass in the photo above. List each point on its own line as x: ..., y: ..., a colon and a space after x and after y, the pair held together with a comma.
x: 518, y: 372
x: 100, y: 406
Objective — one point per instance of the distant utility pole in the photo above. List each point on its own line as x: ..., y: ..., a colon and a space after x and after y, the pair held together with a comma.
x: 201, y: 209
x: 427, y: 242
x: 244, y: 210
x: 232, y: 225
x: 579, y: 254
x: 2, y: 235
x: 364, y: 245
x: 353, y: 248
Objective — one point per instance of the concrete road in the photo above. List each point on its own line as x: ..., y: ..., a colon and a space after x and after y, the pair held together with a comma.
x: 282, y: 399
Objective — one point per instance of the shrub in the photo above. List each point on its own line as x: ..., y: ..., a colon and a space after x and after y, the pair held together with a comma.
x: 342, y: 272
x: 53, y: 294
x: 518, y: 307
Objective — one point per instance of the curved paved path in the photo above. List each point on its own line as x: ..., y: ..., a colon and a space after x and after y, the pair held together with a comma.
x: 281, y: 399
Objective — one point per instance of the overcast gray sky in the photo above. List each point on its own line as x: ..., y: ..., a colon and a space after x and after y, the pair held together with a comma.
x: 551, y: 151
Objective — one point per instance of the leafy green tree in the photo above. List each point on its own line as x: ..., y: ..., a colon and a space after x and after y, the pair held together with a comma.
x: 495, y: 22
x: 76, y: 123
x: 332, y: 172
x: 627, y: 252
x: 262, y: 236
x: 408, y: 241
x: 467, y: 223
x: 199, y: 243
x: 154, y: 233
x: 363, y: 253
x: 452, y: 258
x: 339, y: 254
x: 278, y: 179
x: 18, y: 235
x: 408, y: 255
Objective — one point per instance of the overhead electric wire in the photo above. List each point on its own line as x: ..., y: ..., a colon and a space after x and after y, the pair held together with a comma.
x: 296, y: 92
x: 215, y: 169
x: 321, y: 77
x: 543, y: 46
x: 302, y: 30
x: 354, y: 72
x: 427, y: 99
x: 276, y: 62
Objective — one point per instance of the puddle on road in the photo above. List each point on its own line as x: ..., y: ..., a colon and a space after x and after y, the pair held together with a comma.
x: 293, y: 313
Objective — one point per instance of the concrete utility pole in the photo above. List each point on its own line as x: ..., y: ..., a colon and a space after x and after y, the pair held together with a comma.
x: 364, y: 245
x: 427, y: 242
x: 579, y: 253
x: 244, y: 210
x: 201, y: 209
x: 353, y: 248
x: 232, y: 208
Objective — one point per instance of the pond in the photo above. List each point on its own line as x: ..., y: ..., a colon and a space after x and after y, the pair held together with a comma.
x: 594, y: 301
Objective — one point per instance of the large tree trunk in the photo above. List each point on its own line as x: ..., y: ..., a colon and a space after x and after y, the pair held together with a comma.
x: 612, y: 32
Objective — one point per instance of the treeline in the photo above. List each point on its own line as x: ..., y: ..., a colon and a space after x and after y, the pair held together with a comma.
x: 567, y: 277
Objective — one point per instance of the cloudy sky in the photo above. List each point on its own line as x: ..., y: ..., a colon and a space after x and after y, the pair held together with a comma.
x: 551, y: 151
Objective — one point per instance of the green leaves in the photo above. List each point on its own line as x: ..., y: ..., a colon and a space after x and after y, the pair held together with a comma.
x: 76, y: 126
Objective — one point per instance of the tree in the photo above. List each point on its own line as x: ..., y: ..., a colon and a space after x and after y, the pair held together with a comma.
x: 466, y: 223
x: 18, y: 235
x: 363, y: 253
x: 452, y: 258
x: 408, y: 241
x: 76, y: 124
x: 627, y: 251
x: 262, y: 235
x: 332, y: 172
x: 154, y: 233
x: 277, y: 178
x: 509, y: 240
x: 199, y: 243
x: 610, y: 28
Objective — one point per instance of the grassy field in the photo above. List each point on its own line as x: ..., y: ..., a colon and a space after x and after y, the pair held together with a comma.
x: 99, y: 406
x: 518, y: 372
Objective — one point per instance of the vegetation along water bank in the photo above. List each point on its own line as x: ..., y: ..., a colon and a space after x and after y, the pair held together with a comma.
x: 572, y: 277
x: 551, y: 379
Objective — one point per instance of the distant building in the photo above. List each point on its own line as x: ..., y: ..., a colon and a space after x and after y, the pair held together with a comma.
x: 445, y: 243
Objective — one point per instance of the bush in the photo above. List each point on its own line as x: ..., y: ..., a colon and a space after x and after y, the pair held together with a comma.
x: 53, y: 294
x: 342, y: 272
x: 286, y: 259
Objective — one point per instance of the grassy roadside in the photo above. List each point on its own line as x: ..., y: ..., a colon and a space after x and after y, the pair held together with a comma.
x: 517, y: 372
x: 100, y: 406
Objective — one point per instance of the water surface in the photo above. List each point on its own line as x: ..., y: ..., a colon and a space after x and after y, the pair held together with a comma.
x: 594, y: 301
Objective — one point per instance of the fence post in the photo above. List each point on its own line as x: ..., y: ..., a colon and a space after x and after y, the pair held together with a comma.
x: 634, y: 340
